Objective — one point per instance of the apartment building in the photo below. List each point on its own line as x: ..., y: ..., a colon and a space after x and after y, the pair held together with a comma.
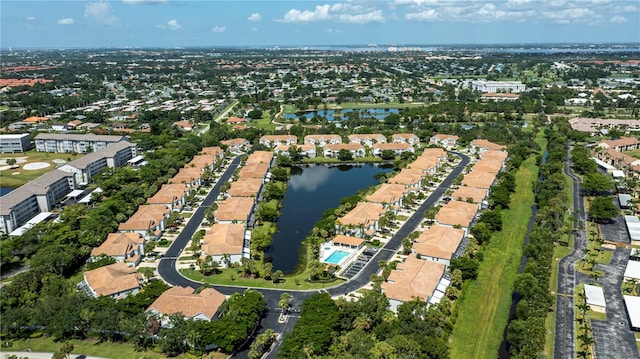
x: 115, y: 155
x: 74, y: 143
x: 12, y: 143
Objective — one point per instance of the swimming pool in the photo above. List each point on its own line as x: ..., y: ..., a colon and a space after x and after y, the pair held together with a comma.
x: 336, y: 257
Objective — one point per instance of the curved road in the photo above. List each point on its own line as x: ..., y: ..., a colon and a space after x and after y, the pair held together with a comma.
x: 168, y: 271
x: 564, y: 345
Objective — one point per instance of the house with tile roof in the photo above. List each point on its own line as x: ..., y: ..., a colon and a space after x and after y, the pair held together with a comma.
x: 438, y: 243
x: 322, y: 140
x: 215, y: 151
x: 254, y: 170
x: 367, y: 139
x: 470, y: 194
x: 444, y: 140
x: 246, y: 187
x: 438, y: 153
x: 224, y: 238
x: 490, y: 165
x: 361, y: 220
x: 204, y: 305
x: 409, y: 138
x: 350, y: 242
x: 621, y: 144
x: 236, y: 145
x: 495, y: 155
x: 172, y: 195
x: 398, y: 148
x: 456, y: 213
x: 410, y: 178
x: 389, y: 195
x: 413, y: 278
x: 120, y: 246
x: 306, y: 150
x: 117, y: 281
x: 190, y: 176
x: 272, y: 141
x: 149, y: 220
x: 357, y: 150
x: 426, y: 164
x: 479, y: 179
x: 480, y: 145
x: 235, y: 209
x: 261, y: 157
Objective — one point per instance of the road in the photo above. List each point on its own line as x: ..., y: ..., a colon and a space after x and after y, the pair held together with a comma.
x: 169, y: 273
x: 564, y: 341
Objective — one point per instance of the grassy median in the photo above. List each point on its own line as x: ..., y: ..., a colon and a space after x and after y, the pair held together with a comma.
x: 484, y: 309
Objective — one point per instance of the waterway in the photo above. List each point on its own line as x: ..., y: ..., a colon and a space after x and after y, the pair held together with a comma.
x: 310, y: 193
x: 5, y: 190
x: 331, y: 115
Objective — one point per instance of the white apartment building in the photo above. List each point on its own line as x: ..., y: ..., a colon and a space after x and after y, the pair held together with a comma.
x: 74, y: 143
x: 115, y: 155
x: 498, y: 86
x: 18, y: 142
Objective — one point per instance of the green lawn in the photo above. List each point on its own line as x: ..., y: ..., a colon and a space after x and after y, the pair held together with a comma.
x: 264, y: 122
x: 17, y: 177
x: 633, y: 153
x: 484, y: 309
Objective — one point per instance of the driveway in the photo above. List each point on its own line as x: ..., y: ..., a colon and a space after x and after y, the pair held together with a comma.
x: 613, y: 338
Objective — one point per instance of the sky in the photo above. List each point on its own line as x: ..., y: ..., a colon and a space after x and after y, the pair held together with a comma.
x: 266, y: 23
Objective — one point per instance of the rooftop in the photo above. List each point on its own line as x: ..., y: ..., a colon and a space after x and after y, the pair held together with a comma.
x: 413, y: 278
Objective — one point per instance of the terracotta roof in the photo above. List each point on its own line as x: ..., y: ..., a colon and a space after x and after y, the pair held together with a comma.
x: 260, y: 157
x: 482, y: 143
x: 169, y: 193
x: 622, y: 141
x: 495, y: 155
x: 439, y: 242
x: 118, y: 244
x: 182, y: 300
x: 234, y: 209
x: 34, y: 119
x: 325, y: 138
x: 236, y: 120
x: 404, y: 136
x: 147, y: 216
x: 464, y: 192
x: 245, y: 187
x: 367, y: 137
x: 424, y: 163
x: 387, y: 193
x: 213, y: 151
x: 254, y: 170
x: 304, y: 147
x: 438, y: 153
x: 488, y: 165
x: 392, y: 146
x: 235, y: 142
x: 348, y: 240
x: 344, y: 146
x: 413, y: 278
x: 479, y: 179
x: 443, y: 136
x: 186, y: 175
x: 201, y: 161
x: 272, y: 138
x: 457, y: 213
x: 113, y: 278
x: 364, y: 213
x: 223, y: 239
x: 407, y: 176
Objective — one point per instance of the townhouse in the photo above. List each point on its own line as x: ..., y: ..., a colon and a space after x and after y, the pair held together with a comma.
x: 361, y: 221
x: 117, y: 281
x: 367, y: 140
x: 389, y: 195
x: 149, y: 220
x: 224, y: 239
x: 410, y: 178
x: 189, y: 176
x: 481, y: 145
x: 398, y: 148
x: 235, y: 209
x: 121, y: 247
x: 457, y: 214
x: 444, y: 140
x: 479, y: 179
x: 172, y: 195
x: 204, y: 305
x: 272, y: 141
x: 621, y: 144
x: 357, y: 150
x: 409, y: 138
x: 246, y: 187
x: 237, y: 145
x: 306, y: 150
x: 322, y: 140
x: 438, y: 243
x: 470, y: 194
x: 412, y: 279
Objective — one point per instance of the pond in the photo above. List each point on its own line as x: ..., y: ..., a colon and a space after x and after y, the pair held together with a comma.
x: 330, y: 115
x: 316, y: 189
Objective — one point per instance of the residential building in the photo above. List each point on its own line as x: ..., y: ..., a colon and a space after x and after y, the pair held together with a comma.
x: 272, y: 141
x: 490, y: 165
x: 357, y: 150
x: 12, y: 143
x: 255, y: 170
x: 189, y: 176
x: 149, y: 220
x: 426, y: 164
x: 261, y: 157
x: 224, y: 239
x: 322, y: 140
x: 367, y: 139
x: 237, y: 145
x: 115, y: 155
x: 409, y: 138
x: 172, y: 195
x: 349, y: 242
x: 306, y: 150
x: 485, y: 86
x: 482, y: 145
x: 621, y: 144
x: 215, y: 151
x: 470, y: 194
x: 497, y: 96
x: 438, y: 243
x: 412, y: 279
x: 117, y: 281
x: 408, y: 177
x: 361, y: 220
x: 121, y: 247
x: 456, y: 213
x: 39, y: 195
x: 389, y: 195
x: 74, y: 143
x: 246, y: 187
x: 479, y: 179
x: 596, y: 125
x: 398, y: 148
x: 633, y: 311
x: 204, y: 305
x: 235, y: 209
x: 444, y: 140
x: 437, y: 153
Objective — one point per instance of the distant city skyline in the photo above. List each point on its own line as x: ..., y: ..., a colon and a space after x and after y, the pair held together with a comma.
x: 180, y: 23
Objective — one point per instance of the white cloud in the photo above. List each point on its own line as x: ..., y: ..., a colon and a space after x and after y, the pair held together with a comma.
x: 31, y: 18
x: 100, y: 13
x: 137, y: 2
x: 618, y: 19
x: 426, y: 15
x: 173, y: 24
x: 65, y: 21
x: 571, y: 15
x: 338, y: 12
x: 219, y: 29
x: 334, y: 31
x: 255, y: 17
x: 254, y: 29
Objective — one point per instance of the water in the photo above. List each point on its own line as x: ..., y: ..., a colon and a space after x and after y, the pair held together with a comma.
x: 309, y: 194
x: 336, y: 257
x: 5, y: 190
x: 330, y: 115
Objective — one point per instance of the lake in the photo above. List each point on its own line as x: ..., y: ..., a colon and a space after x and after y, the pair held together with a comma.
x: 309, y: 194
x: 330, y: 115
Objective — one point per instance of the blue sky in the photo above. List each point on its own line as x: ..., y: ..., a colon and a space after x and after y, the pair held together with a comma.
x: 215, y: 23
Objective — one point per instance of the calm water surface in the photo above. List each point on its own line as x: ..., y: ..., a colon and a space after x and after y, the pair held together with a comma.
x: 309, y: 194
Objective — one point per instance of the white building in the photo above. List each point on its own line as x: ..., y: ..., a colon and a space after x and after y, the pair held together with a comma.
x: 498, y: 86
x: 115, y: 155
x: 74, y: 143
x: 11, y: 143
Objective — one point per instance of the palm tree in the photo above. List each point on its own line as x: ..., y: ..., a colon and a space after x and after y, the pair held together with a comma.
x: 284, y: 302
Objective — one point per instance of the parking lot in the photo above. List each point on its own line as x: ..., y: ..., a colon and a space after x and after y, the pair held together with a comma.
x: 356, y: 266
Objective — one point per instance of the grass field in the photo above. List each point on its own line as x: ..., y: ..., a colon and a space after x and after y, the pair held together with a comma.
x: 484, y: 310
x: 633, y: 153
x: 16, y: 177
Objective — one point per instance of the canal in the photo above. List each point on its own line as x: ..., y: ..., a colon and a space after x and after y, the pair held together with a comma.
x: 310, y: 193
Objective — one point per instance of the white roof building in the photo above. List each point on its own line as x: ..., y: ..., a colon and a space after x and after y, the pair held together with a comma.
x: 595, y: 298
x: 632, y: 271
x: 633, y: 227
x: 633, y: 310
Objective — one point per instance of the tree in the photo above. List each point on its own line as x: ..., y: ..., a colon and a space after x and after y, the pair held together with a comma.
x: 467, y: 266
x: 276, y: 276
x: 64, y: 351
x: 387, y: 155
x: 597, y: 183
x: 283, y: 303
x: 602, y: 209
x: 255, y: 114
x: 345, y: 155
